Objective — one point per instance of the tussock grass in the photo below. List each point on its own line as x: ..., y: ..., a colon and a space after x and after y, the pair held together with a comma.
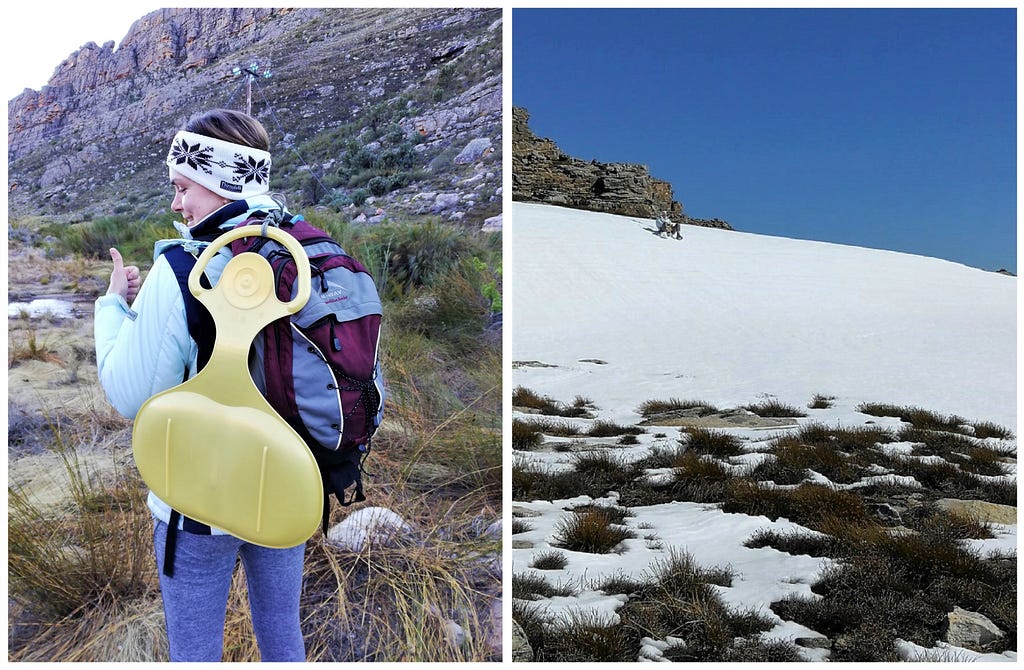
x: 849, y: 439
x: 31, y: 349
x: 987, y: 429
x: 677, y: 600
x: 820, y: 401
x: 811, y: 505
x: 619, y: 583
x: 580, y: 408
x: 529, y: 586
x: 712, y: 442
x: 549, y: 560
x: 602, y: 428
x: 652, y: 407
x: 617, y: 515
x: 698, y: 478
x: 601, y: 462
x: 525, y: 436
x: 793, y: 458
x: 917, y: 416
x: 520, y: 526
x: 593, y: 531
x: 772, y: 407
x: 587, y: 636
x: 924, y: 419
x: 947, y: 480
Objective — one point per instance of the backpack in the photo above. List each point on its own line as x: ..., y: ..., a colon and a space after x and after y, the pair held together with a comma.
x: 320, y: 367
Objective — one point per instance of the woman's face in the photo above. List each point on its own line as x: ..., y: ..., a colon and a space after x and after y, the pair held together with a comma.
x: 192, y: 201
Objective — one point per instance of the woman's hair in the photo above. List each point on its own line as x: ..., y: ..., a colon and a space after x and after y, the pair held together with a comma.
x: 230, y: 126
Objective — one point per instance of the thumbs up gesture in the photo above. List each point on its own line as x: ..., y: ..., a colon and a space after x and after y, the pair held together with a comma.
x: 124, y: 280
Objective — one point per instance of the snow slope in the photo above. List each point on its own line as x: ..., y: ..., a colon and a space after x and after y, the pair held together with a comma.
x: 601, y: 307
x: 726, y: 316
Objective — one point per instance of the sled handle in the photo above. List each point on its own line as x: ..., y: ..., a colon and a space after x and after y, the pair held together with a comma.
x: 293, y: 246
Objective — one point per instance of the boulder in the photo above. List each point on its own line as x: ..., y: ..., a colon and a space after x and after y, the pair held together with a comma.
x: 367, y: 527
x: 522, y: 652
x: 970, y: 630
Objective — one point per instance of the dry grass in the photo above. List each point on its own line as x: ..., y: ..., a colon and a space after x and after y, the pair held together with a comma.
x: 82, y: 577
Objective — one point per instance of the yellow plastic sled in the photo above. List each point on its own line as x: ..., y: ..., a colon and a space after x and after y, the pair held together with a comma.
x: 213, y: 448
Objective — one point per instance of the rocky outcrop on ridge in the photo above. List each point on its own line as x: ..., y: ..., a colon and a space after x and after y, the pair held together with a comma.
x: 541, y: 172
x: 91, y: 142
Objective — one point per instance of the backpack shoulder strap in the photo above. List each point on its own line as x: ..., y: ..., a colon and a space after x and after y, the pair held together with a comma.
x: 200, y: 323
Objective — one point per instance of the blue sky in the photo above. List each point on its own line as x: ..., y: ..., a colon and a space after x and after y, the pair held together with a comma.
x: 891, y: 129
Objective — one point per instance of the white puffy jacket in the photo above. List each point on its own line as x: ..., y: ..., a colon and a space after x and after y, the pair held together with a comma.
x: 144, y: 349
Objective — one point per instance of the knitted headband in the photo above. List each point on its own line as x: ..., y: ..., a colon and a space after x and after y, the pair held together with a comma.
x: 234, y: 171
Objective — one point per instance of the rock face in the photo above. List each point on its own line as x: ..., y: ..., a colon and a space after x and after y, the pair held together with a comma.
x: 91, y: 142
x: 541, y: 172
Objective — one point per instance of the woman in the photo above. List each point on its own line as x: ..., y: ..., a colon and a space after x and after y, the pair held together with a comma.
x: 219, y: 168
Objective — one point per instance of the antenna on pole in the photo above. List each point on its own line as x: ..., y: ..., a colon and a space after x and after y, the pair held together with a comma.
x: 254, y: 70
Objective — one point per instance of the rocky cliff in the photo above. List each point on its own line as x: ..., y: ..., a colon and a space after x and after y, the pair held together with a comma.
x: 541, y: 172
x: 351, y: 90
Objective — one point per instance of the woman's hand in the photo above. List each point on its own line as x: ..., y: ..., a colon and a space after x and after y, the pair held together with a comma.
x: 124, y: 281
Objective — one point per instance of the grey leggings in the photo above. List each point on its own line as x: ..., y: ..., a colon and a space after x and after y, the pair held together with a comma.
x: 196, y: 598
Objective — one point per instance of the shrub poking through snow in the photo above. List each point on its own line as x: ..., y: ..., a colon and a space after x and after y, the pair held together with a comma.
x: 592, y: 531
x: 774, y: 408
x: 901, y: 586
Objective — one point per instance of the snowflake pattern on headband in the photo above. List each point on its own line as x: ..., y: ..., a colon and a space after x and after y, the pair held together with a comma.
x: 249, y: 169
x: 246, y: 169
x: 193, y: 155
